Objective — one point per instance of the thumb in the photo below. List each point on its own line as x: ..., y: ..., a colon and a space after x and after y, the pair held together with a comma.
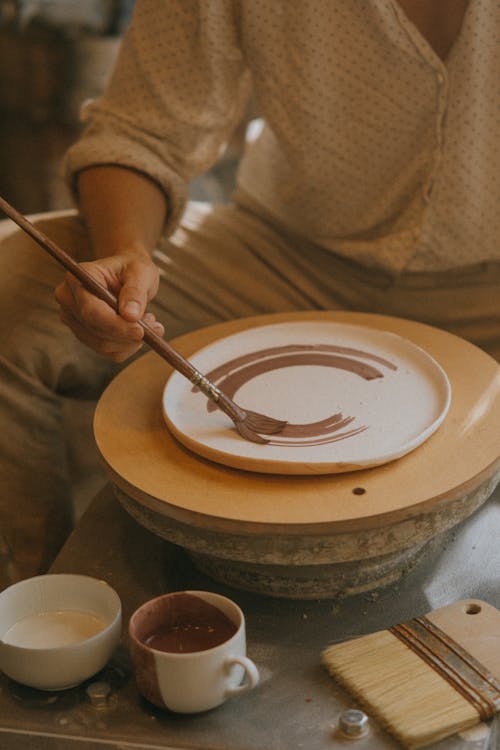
x: 134, y: 294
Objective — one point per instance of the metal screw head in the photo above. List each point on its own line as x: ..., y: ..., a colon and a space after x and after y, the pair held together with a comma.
x: 99, y: 693
x: 353, y: 723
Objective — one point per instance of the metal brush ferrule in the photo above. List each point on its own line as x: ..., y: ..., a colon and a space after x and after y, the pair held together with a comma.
x: 204, y: 384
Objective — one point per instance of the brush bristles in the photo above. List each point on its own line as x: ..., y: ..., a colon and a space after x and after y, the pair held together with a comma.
x: 399, y: 689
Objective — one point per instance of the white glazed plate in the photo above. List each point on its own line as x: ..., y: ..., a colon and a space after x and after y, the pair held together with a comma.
x: 353, y: 397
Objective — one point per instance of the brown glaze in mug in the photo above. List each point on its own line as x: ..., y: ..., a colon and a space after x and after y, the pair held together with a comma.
x: 188, y: 651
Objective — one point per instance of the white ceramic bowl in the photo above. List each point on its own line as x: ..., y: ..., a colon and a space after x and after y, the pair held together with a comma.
x: 57, y: 630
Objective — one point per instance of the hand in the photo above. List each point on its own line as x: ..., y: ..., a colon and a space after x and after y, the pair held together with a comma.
x: 133, y: 278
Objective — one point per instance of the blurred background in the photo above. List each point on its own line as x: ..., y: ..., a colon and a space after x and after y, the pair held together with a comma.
x: 55, y: 54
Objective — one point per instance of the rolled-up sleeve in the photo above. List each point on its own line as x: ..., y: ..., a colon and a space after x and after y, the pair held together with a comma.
x: 178, y: 89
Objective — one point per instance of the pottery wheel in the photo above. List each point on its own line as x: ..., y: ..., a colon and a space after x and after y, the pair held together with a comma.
x: 304, y: 536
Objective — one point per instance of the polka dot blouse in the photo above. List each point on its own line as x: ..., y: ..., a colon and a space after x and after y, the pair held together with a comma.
x: 372, y: 147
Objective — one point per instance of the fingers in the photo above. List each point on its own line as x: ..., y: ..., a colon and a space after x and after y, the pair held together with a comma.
x: 107, y: 337
x: 117, y: 351
x: 97, y: 325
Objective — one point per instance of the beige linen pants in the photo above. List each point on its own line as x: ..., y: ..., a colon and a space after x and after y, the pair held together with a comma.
x: 223, y: 262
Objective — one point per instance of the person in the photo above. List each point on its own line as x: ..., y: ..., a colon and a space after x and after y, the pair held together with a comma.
x: 374, y: 185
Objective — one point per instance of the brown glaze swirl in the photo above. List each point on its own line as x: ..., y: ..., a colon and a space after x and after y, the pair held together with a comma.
x: 233, y: 374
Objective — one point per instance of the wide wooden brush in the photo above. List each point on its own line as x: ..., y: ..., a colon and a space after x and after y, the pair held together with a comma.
x: 250, y: 424
x: 428, y: 678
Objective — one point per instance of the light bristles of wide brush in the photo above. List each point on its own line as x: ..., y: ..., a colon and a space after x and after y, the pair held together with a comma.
x: 399, y: 689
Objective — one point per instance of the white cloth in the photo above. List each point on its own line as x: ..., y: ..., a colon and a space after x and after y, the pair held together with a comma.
x: 373, y: 147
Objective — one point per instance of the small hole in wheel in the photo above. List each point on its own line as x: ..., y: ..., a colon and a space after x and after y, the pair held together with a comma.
x: 472, y: 609
x: 358, y: 491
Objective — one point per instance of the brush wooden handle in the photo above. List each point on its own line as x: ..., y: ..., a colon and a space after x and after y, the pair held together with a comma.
x: 475, y: 625
x: 155, y: 341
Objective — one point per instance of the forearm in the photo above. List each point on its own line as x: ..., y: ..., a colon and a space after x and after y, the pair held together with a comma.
x: 124, y: 210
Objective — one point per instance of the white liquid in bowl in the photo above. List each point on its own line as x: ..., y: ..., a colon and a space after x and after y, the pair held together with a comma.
x: 53, y: 629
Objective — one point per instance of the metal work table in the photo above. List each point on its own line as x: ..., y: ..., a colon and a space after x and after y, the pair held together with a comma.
x: 297, y: 704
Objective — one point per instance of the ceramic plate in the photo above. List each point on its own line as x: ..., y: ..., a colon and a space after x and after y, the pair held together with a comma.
x: 353, y: 397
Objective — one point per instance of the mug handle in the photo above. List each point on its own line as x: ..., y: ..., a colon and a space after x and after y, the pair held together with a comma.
x: 251, y: 674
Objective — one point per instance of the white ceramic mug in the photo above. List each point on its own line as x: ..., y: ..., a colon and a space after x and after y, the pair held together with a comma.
x: 195, y: 680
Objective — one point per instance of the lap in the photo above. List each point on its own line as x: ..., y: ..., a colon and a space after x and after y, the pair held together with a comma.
x: 36, y: 344
x: 224, y: 263
x: 227, y: 262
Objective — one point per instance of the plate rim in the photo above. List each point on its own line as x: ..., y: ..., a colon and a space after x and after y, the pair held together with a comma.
x: 288, y: 466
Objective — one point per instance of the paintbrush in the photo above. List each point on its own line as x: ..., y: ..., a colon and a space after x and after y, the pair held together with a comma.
x: 428, y: 678
x: 249, y: 424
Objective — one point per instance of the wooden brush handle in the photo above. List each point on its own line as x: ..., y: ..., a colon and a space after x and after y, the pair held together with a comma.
x: 155, y: 341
